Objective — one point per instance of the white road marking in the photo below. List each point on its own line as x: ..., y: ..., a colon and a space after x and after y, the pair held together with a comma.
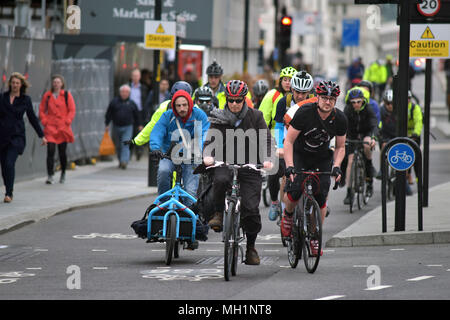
x: 158, y: 250
x: 331, y: 297
x: 377, y: 288
x: 434, y: 265
x: 99, y: 250
x: 43, y: 250
x: 3, y: 246
x: 38, y: 268
x: 213, y: 250
x: 274, y: 250
x: 100, y: 268
x: 329, y: 250
x: 398, y: 249
x: 360, y: 265
x: 420, y: 278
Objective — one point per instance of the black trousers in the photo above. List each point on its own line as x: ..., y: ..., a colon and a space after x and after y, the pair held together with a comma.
x: 250, y: 192
x: 51, y: 150
x: 273, y: 181
x: 8, y: 157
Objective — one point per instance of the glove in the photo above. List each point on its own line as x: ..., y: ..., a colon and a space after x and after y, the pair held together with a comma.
x: 129, y: 142
x: 289, y: 171
x: 156, y: 154
x: 336, y: 172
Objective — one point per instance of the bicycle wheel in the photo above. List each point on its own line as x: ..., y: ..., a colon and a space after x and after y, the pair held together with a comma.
x: 353, y: 183
x: 228, y: 241
x: 171, y: 238
x: 236, y: 238
x: 294, y: 244
x: 266, y: 197
x: 311, y: 232
x: 361, y: 183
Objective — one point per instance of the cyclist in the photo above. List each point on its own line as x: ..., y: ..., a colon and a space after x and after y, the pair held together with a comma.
x: 301, y: 86
x: 215, y: 73
x: 174, y: 125
x: 415, y: 125
x: 260, y: 89
x: 306, y: 147
x: 366, y: 84
x: 237, y: 116
x: 204, y: 98
x: 362, y: 122
x: 144, y: 135
x: 268, y: 107
x: 388, y: 124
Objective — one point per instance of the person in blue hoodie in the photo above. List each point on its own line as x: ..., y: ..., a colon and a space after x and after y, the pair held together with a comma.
x: 186, y: 126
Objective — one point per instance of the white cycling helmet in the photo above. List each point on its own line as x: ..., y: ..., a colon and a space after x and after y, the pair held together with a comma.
x: 302, y: 82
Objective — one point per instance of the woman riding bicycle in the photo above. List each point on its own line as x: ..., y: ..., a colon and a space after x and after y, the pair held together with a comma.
x: 238, y: 117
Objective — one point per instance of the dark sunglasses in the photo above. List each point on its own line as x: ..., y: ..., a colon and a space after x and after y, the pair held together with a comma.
x: 235, y: 100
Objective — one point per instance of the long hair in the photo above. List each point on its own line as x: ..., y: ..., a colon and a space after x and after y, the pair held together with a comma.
x: 60, y: 77
x: 22, y: 79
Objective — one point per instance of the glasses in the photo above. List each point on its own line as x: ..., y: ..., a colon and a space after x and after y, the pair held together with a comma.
x: 235, y: 100
x: 356, y: 101
x: 329, y: 99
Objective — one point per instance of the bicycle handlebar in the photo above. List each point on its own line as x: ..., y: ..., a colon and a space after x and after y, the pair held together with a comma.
x: 309, y: 173
x: 256, y: 167
x: 356, y: 141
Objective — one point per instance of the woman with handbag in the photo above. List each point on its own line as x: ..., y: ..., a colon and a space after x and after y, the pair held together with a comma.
x: 13, y: 104
x: 57, y: 111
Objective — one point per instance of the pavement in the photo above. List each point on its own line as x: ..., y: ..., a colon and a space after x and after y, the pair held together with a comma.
x: 104, y: 182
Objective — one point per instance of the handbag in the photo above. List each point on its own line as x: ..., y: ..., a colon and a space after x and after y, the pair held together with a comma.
x: 107, y: 147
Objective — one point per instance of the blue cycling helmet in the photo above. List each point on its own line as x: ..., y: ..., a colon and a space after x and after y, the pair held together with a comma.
x: 355, y: 93
x: 181, y: 85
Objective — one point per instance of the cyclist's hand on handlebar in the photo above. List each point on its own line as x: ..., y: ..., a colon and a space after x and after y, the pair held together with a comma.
x: 337, y: 173
x: 289, y: 173
x: 129, y: 142
x: 268, y: 165
x: 156, y: 154
x: 208, y: 161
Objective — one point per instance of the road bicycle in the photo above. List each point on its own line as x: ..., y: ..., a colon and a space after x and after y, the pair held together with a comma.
x: 357, y: 183
x: 232, y: 235
x: 172, y: 221
x: 306, y: 237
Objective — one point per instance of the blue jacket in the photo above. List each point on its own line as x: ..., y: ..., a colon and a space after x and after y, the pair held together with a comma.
x: 166, y: 129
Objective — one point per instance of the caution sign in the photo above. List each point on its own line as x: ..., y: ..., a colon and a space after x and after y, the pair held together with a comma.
x: 429, y: 41
x: 160, y: 35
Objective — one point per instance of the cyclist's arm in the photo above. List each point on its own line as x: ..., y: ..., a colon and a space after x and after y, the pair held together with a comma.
x: 289, y: 140
x: 339, y: 152
x: 144, y: 135
x: 266, y: 108
x: 159, y: 132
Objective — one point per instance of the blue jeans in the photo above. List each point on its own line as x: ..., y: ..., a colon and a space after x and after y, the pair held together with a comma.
x: 121, y: 134
x: 165, y: 178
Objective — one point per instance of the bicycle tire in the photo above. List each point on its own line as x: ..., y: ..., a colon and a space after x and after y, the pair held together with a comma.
x: 227, y: 238
x: 361, y: 185
x: 294, y: 244
x: 311, y: 261
x: 266, y: 197
x: 352, y: 184
x: 236, y: 236
x: 171, y: 238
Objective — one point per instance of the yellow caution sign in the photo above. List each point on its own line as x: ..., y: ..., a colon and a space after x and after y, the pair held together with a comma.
x: 427, y: 34
x: 429, y: 48
x: 160, y: 29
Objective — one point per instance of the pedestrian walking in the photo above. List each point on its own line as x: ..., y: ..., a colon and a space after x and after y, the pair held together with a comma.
x: 139, y: 93
x: 57, y: 111
x: 13, y: 104
x: 124, y: 114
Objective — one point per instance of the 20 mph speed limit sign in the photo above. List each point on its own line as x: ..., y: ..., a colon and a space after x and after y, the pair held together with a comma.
x: 429, y: 8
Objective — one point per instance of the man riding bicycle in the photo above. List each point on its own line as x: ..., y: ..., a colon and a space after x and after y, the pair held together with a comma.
x: 235, y: 119
x: 362, y: 124
x: 204, y: 98
x: 306, y: 147
x: 301, y: 86
x: 183, y: 124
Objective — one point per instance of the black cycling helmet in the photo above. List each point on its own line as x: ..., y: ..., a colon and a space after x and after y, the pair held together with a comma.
x: 236, y: 88
x: 214, y: 69
x: 260, y: 88
x: 203, y: 94
x: 367, y: 84
x: 181, y: 85
x: 328, y: 88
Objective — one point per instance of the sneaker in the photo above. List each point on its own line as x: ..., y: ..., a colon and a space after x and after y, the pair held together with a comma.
x: 349, y: 198
x: 275, y: 211
x: 216, y: 222
x: 328, y: 212
x: 251, y: 257
x: 49, y: 180
x: 62, y: 179
x: 314, y: 245
x: 286, y: 224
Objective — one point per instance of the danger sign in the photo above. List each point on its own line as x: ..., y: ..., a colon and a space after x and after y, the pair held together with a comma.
x: 160, y: 35
x: 429, y: 41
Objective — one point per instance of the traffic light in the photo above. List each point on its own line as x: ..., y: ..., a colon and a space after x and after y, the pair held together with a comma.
x: 285, y: 31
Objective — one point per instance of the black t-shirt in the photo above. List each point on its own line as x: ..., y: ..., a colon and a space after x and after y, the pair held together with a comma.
x: 315, y: 133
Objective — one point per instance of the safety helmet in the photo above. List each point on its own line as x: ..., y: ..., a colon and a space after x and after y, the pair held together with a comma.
x: 355, y: 93
x: 328, y: 88
x: 260, y: 87
x: 288, y: 72
x: 388, y: 95
x: 181, y: 85
x: 302, y: 82
x: 214, y: 69
x: 366, y: 83
x: 236, y: 88
x: 409, y: 94
x: 203, y: 94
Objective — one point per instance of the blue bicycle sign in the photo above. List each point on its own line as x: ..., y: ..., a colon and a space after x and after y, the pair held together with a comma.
x: 401, y: 156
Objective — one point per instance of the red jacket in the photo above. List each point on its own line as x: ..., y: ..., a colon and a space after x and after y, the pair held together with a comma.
x: 56, y: 117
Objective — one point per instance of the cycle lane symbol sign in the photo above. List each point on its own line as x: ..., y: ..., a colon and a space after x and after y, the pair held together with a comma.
x: 401, y: 156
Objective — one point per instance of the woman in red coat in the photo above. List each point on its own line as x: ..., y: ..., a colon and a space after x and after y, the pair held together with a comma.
x: 56, y: 111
